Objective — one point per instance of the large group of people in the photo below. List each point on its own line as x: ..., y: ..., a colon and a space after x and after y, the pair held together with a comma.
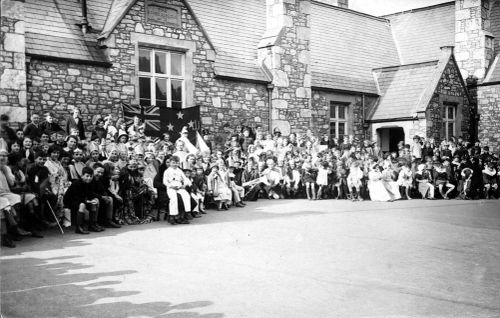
x: 115, y: 175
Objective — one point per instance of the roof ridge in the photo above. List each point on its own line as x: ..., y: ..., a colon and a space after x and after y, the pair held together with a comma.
x: 444, y: 4
x: 366, y: 15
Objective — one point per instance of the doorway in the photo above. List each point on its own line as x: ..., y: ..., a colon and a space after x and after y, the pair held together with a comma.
x: 390, y: 137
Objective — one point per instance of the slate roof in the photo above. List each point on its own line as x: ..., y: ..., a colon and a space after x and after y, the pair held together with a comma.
x: 235, y: 28
x: 493, y: 74
x: 51, y: 29
x: 346, y: 45
x: 419, y: 33
x: 407, y: 89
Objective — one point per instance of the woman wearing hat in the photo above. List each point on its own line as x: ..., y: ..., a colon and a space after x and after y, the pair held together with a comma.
x: 424, y: 180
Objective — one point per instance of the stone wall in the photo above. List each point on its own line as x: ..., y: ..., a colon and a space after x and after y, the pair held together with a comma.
x: 411, y: 128
x: 450, y: 89
x: 321, y: 111
x: 13, y: 61
x: 288, y: 59
x: 473, y: 40
x: 489, y: 111
x: 59, y: 86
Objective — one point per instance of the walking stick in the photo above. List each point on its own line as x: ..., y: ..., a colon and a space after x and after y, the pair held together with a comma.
x: 55, y: 217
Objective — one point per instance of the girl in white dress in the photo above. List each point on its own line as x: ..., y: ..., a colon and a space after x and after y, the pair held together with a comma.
x: 376, y: 186
x: 322, y: 179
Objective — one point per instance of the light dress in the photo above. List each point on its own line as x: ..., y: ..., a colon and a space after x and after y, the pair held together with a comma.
x: 376, y: 187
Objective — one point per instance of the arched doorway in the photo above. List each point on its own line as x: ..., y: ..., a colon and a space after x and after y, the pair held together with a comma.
x: 389, y: 138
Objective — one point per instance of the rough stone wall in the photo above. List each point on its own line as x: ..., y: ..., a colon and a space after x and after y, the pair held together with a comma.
x: 489, y: 111
x: 450, y: 88
x: 473, y: 42
x: 59, y: 86
x: 13, y: 61
x: 321, y: 112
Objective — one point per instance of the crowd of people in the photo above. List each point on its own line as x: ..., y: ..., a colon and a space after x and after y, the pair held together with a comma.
x: 115, y: 175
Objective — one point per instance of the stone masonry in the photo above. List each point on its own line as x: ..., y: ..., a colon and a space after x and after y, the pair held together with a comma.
x: 489, y: 111
x: 473, y: 40
x: 13, y: 61
x: 287, y: 57
x: 449, y: 89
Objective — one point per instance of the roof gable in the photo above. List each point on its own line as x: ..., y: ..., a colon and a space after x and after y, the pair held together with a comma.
x: 346, y: 45
x: 421, y: 32
x: 407, y: 90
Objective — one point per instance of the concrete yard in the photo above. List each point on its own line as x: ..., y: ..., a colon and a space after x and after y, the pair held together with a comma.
x: 271, y: 259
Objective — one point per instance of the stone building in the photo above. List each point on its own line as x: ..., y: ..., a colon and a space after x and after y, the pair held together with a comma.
x: 287, y: 64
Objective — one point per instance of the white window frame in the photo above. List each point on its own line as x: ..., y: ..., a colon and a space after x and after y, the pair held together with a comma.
x: 338, y: 120
x: 446, y: 120
x: 152, y: 75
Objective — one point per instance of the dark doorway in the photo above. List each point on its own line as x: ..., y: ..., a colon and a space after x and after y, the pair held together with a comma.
x: 390, y: 137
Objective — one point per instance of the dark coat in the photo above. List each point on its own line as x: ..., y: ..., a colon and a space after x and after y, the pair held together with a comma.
x: 71, y: 123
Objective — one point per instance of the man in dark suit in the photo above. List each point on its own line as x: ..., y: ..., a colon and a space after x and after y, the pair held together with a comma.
x: 49, y: 126
x: 75, y: 121
x: 33, y: 129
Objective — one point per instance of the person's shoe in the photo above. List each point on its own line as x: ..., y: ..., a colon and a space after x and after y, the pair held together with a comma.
x: 225, y: 207
x: 203, y: 211
x: 111, y: 224
x: 239, y: 205
x: 16, y: 237
x: 94, y: 228
x: 36, y: 234
x: 80, y: 230
x: 7, y: 242
x: 182, y: 221
x: 66, y: 223
x: 195, y: 215
x: 50, y: 224
x: 188, y: 216
x: 243, y: 203
x: 22, y: 232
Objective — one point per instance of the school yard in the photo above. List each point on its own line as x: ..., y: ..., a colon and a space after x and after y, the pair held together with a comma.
x: 270, y: 259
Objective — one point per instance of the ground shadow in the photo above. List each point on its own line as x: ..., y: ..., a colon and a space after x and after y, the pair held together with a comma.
x: 49, y: 290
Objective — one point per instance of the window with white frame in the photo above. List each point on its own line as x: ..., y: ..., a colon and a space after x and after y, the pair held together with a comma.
x: 162, y: 78
x: 338, y: 119
x: 449, y: 120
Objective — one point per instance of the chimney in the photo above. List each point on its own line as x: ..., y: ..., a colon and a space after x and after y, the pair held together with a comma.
x: 473, y: 39
x: 84, y: 22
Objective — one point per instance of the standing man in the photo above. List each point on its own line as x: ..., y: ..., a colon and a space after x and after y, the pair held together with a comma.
x: 33, y: 129
x: 75, y: 122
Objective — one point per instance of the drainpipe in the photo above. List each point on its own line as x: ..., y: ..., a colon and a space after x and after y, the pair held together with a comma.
x: 270, y: 88
x: 363, y: 108
x: 84, y: 22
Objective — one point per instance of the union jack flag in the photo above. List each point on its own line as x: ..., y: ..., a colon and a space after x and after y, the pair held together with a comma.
x: 150, y: 116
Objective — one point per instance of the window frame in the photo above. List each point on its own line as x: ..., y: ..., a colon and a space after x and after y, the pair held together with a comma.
x: 152, y: 75
x: 338, y: 120
x: 447, y: 121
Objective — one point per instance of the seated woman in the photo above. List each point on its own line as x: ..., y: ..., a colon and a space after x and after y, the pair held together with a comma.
x: 424, y: 181
x: 375, y: 185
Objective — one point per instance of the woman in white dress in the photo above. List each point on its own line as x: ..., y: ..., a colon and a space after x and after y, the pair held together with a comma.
x: 376, y: 186
x: 216, y: 185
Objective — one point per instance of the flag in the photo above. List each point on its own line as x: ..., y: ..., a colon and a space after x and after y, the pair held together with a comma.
x: 160, y: 120
x: 201, y: 144
x: 172, y: 121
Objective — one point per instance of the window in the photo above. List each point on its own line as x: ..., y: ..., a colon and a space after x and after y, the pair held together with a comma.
x: 338, y: 120
x: 449, y: 120
x: 161, y: 78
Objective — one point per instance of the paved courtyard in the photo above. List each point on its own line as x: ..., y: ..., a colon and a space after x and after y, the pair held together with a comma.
x: 270, y: 259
